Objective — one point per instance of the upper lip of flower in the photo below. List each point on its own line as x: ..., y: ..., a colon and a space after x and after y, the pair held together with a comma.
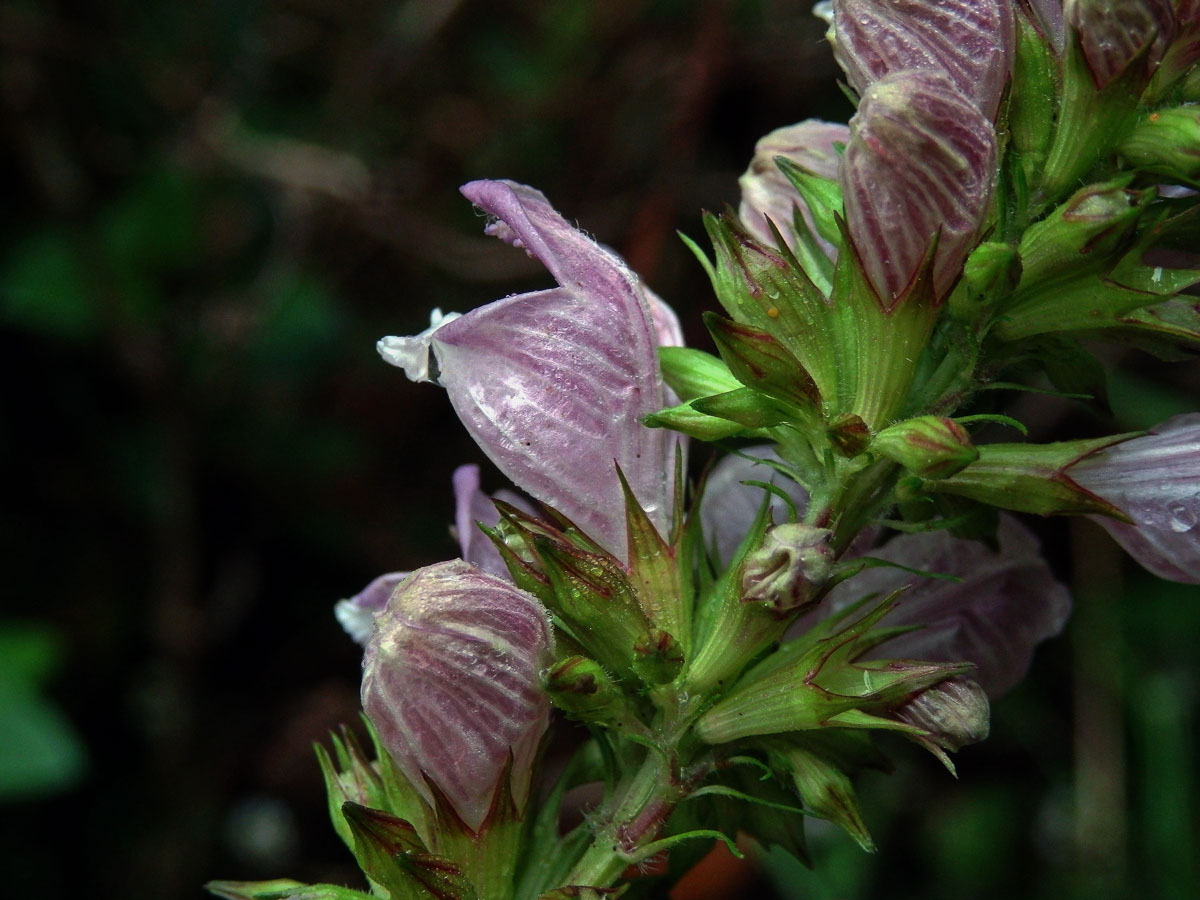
x: 553, y: 385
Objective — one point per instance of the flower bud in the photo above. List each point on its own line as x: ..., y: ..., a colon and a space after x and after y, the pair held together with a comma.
x: 1003, y: 602
x: 1181, y: 53
x: 583, y: 689
x: 819, y: 680
x: 1078, y: 239
x: 826, y: 789
x: 658, y: 657
x: 1048, y: 15
x: 970, y: 41
x: 767, y: 193
x: 850, y: 434
x: 1033, y: 478
x: 952, y: 715
x: 1116, y: 34
x: 1167, y: 142
x: 452, y: 684
x: 789, y: 568
x: 928, y: 446
x: 919, y: 167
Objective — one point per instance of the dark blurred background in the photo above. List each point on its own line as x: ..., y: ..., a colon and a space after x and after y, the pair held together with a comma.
x: 211, y: 213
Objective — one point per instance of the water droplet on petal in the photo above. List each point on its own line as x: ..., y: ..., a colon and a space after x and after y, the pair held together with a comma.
x: 1181, y: 518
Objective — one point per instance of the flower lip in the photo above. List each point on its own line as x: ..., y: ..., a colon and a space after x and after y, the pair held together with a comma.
x: 412, y: 353
x: 553, y: 385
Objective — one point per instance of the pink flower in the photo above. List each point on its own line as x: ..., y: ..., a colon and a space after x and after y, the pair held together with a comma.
x: 553, y: 385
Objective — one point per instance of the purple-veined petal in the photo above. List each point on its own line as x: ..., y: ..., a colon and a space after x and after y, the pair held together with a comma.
x: 553, y: 385
x: 1112, y: 33
x: 452, y: 683
x: 473, y: 507
x: 357, y: 614
x: 971, y: 41
x: 1007, y: 603
x: 766, y: 191
x: 728, y: 507
x: 1155, y: 480
x: 921, y: 161
x: 667, y: 330
x: 1048, y: 15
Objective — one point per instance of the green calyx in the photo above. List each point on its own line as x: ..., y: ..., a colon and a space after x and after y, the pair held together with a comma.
x: 1031, y: 478
x: 819, y: 680
x: 1166, y: 142
x: 928, y: 446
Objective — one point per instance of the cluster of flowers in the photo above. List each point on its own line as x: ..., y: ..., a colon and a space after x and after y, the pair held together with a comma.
x: 875, y: 276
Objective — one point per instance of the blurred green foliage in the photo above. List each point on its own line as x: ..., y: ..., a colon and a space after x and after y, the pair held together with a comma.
x: 40, y: 751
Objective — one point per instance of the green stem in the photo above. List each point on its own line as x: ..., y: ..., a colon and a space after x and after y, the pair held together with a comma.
x: 633, y: 818
x: 861, y: 500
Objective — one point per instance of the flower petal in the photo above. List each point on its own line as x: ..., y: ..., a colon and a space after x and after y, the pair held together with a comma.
x: 921, y: 161
x: 667, y: 330
x: 553, y: 385
x: 412, y: 353
x: 766, y: 191
x: 1006, y: 604
x: 1048, y: 14
x: 452, y: 683
x: 357, y: 614
x: 1155, y: 480
x: 971, y: 41
x: 1114, y: 33
x: 473, y: 507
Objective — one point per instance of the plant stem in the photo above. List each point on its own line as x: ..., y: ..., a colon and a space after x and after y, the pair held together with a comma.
x: 640, y: 806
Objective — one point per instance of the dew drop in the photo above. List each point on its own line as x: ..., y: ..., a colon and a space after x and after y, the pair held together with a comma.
x: 1180, y: 518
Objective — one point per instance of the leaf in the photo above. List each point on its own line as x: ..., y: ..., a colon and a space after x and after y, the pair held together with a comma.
x: 283, y: 889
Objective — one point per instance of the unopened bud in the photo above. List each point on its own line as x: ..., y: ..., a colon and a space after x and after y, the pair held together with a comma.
x: 452, y: 684
x: 899, y: 148
x: 1116, y: 34
x: 1167, y: 141
x: 954, y: 713
x: 849, y: 434
x: 928, y: 446
x: 658, y: 657
x: 583, y: 689
x: 790, y: 567
x: 826, y: 789
x: 989, y: 274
